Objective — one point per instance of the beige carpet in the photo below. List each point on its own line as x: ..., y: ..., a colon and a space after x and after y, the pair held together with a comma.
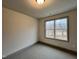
x: 40, y: 51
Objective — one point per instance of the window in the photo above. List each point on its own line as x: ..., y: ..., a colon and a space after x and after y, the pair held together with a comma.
x: 57, y: 29
x: 50, y: 29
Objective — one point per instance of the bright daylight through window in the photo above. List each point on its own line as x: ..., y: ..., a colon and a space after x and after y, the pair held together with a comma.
x: 57, y: 29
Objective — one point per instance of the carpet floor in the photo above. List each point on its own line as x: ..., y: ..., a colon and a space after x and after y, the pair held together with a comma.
x: 40, y: 51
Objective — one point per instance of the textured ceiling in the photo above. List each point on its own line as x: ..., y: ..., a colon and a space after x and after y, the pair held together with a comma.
x: 31, y: 8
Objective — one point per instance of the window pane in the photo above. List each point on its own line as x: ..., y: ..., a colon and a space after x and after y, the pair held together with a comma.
x: 61, y: 29
x: 49, y: 29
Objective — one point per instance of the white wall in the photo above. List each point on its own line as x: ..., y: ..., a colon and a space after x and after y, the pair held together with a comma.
x: 19, y: 31
x: 72, y: 44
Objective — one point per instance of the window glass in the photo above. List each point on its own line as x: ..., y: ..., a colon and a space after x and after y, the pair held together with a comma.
x: 57, y: 29
x: 50, y: 29
x: 61, y: 29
